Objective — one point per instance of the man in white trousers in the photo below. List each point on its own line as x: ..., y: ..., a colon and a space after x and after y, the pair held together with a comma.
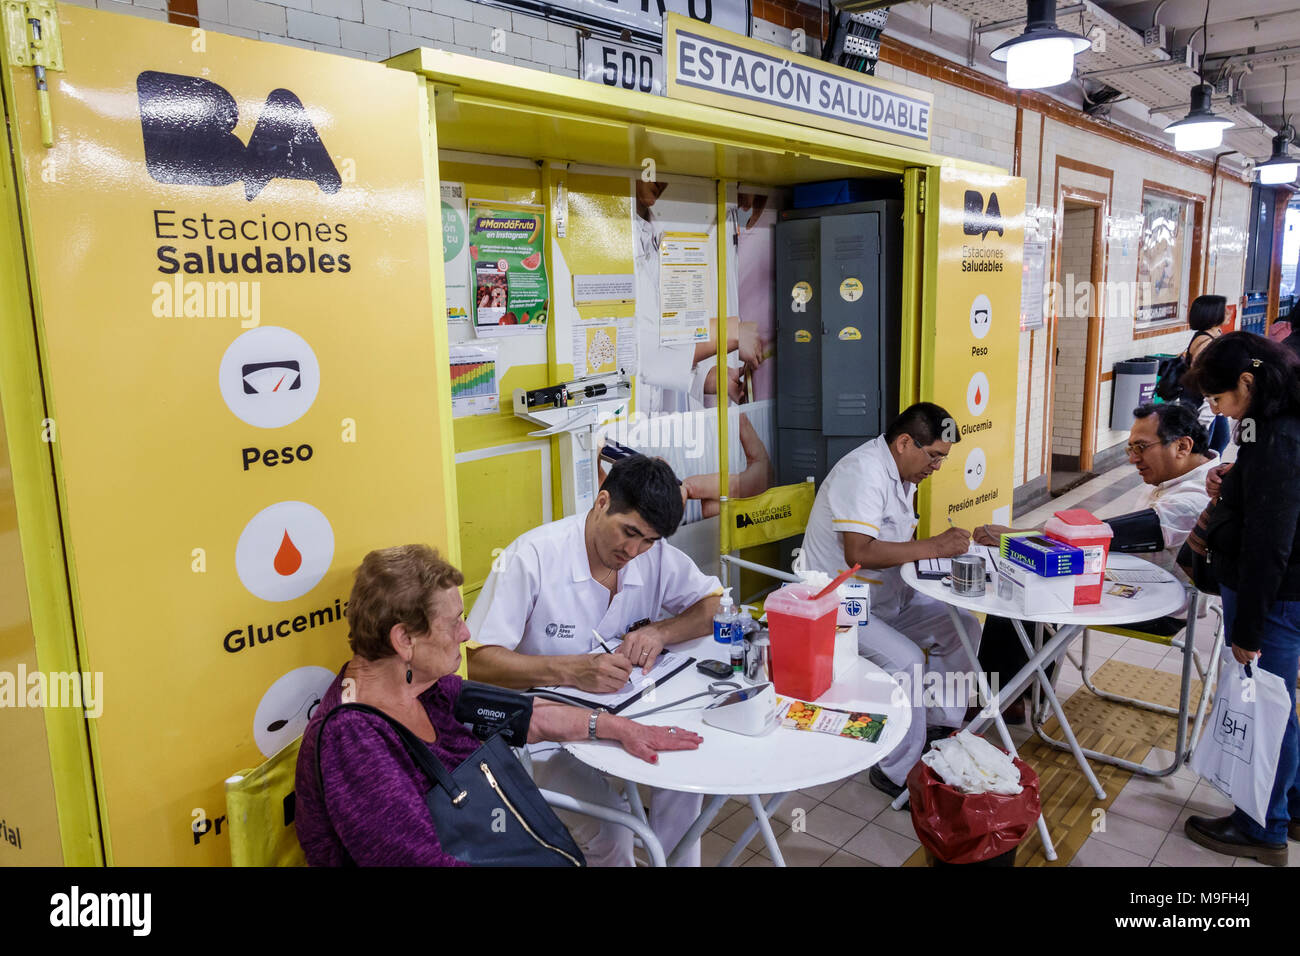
x: 865, y: 514
x: 604, y: 572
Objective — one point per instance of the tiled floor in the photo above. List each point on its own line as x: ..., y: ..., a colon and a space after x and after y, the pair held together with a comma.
x: 851, y: 824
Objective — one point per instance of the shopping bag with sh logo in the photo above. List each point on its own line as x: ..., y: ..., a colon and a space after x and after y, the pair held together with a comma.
x: 1239, y: 750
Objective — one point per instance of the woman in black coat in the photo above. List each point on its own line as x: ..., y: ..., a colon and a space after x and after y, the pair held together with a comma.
x: 1254, y: 549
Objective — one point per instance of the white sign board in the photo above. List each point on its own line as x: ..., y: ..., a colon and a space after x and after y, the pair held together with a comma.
x: 642, y: 18
x: 622, y: 65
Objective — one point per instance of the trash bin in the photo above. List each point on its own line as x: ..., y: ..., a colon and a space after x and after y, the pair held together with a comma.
x: 984, y: 829
x: 1133, y: 384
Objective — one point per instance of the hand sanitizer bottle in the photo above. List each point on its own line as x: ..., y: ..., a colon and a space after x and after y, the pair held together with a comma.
x: 724, y: 619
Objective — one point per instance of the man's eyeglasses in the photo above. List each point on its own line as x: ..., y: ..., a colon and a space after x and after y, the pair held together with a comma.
x: 1139, y: 448
x: 935, y: 457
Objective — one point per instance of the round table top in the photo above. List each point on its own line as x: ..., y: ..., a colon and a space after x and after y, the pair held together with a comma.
x: 1154, y: 600
x: 784, y: 760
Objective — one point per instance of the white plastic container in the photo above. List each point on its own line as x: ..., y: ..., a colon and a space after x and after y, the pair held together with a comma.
x: 1032, y: 593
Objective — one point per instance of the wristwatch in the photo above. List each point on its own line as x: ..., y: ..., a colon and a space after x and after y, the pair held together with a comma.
x: 591, y: 722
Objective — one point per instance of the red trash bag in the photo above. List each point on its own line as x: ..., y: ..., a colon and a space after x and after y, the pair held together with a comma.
x: 961, y: 827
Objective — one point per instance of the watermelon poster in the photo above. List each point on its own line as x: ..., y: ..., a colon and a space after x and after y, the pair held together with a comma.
x: 508, y: 267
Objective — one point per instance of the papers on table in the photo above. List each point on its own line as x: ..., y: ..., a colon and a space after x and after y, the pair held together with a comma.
x: 669, y: 665
x: 1139, y: 576
x: 936, y: 568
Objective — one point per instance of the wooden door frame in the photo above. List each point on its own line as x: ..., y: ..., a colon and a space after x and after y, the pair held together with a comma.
x: 1100, y: 203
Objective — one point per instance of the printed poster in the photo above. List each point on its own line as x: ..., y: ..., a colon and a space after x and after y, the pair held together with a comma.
x: 685, y: 270
x: 603, y: 347
x: 509, y: 269
x: 1161, y: 257
x: 455, y: 251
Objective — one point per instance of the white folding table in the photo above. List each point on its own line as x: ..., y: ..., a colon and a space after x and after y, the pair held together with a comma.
x: 730, y: 764
x: 1152, y: 601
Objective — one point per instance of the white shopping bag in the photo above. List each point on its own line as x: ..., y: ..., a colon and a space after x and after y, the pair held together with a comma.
x: 1238, y: 752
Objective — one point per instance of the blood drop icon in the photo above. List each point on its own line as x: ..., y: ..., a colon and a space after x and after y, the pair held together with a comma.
x: 284, y: 551
x: 288, y: 559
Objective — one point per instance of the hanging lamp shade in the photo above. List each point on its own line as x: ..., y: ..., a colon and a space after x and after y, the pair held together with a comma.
x: 1200, y: 128
x: 1281, y: 167
x: 1043, y: 55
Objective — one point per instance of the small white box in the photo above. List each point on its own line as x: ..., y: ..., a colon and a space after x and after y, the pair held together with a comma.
x: 1032, y: 593
x: 855, y: 603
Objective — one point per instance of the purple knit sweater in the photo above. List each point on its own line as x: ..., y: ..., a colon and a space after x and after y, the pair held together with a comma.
x: 374, y: 791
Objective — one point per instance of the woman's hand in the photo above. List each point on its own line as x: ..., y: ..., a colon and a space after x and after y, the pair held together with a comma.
x: 644, y: 741
x: 1214, y: 479
x: 1244, y: 656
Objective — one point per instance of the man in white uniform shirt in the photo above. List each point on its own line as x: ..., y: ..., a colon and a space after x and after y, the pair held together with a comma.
x: 864, y: 514
x: 603, y: 572
x: 1170, y: 449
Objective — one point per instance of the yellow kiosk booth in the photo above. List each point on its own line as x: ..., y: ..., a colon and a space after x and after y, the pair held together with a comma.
x: 234, y: 360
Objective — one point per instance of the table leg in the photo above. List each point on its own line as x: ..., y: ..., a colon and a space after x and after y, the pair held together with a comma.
x: 773, y: 804
x: 1049, y: 848
x: 1064, y: 636
x: 634, y: 801
x: 696, y: 830
x: 760, y: 817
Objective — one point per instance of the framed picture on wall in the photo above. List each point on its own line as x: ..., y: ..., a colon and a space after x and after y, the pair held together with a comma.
x: 1164, y: 260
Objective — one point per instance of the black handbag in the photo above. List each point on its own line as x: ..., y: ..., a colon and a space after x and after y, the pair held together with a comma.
x: 1196, y: 555
x: 488, y: 811
x: 1168, y: 376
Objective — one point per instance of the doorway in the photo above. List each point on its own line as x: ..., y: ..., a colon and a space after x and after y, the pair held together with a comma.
x: 1076, y: 334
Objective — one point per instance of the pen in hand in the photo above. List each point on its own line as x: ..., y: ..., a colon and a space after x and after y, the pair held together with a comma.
x: 602, y: 641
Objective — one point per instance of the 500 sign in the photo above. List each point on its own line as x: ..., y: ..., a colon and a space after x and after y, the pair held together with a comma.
x: 622, y: 66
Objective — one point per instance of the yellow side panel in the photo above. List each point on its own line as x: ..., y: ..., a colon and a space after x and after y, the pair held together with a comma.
x: 29, y: 825
x: 500, y: 498
x: 208, y: 581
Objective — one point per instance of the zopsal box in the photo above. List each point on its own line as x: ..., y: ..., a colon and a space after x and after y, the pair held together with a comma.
x: 1042, y: 555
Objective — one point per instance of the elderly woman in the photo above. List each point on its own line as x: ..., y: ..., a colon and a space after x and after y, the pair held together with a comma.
x: 405, y: 628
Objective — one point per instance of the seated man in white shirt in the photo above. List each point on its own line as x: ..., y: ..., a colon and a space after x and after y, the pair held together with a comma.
x: 1170, y: 449
x: 603, y: 572
x: 864, y: 514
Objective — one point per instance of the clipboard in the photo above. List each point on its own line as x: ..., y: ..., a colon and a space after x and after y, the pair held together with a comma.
x: 618, y: 702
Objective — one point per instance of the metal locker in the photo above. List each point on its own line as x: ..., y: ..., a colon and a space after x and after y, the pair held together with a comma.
x: 798, y: 324
x: 851, y: 367
x: 801, y: 453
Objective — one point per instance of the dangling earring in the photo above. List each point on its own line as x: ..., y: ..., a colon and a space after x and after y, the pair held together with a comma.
x: 408, y: 672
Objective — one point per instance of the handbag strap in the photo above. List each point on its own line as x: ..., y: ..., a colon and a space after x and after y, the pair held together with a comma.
x: 419, y: 751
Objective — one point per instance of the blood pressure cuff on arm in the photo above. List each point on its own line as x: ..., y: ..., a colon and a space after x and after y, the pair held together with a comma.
x: 1137, y: 532
x: 489, y: 710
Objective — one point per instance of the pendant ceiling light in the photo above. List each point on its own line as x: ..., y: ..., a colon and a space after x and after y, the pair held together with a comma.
x: 1281, y: 167
x: 1043, y: 55
x: 1200, y: 128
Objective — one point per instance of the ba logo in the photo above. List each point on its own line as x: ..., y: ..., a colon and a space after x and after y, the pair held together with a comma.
x: 852, y: 608
x: 743, y: 521
x: 187, y: 123
x: 551, y: 629
x: 980, y: 220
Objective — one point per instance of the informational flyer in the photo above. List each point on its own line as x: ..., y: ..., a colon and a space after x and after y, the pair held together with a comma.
x: 1033, y: 286
x: 509, y: 267
x: 603, y: 346
x: 685, y: 270
x: 799, y: 715
x: 455, y: 251
x: 474, y: 380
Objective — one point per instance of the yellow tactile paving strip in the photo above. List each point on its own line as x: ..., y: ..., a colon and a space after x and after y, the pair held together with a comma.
x: 1104, y: 726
